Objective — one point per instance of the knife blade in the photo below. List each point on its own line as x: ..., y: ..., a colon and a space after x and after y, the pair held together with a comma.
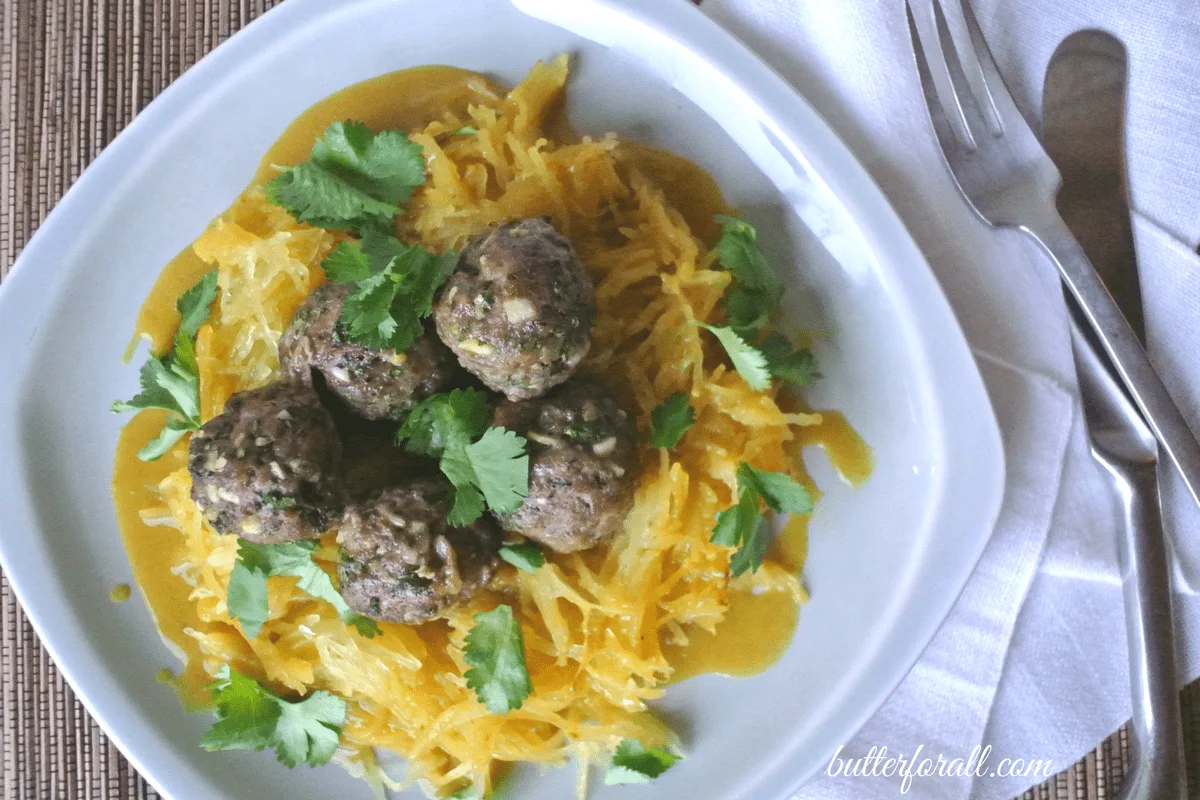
x: 1083, y: 131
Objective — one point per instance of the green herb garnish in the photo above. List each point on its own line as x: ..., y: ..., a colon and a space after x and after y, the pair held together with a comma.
x: 743, y: 526
x: 495, y: 650
x: 250, y: 717
x: 671, y: 420
x: 394, y: 286
x: 748, y: 360
x: 798, y: 366
x: 633, y: 762
x: 487, y: 466
x: 756, y: 289
x: 172, y: 383
x: 247, y: 594
x: 526, y: 556
x: 353, y: 180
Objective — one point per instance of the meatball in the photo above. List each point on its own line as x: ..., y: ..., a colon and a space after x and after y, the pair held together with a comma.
x: 376, y: 384
x: 518, y: 310
x: 268, y: 468
x: 582, y: 460
x: 402, y: 562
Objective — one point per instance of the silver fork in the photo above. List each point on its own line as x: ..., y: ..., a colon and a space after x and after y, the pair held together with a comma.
x: 1008, y: 179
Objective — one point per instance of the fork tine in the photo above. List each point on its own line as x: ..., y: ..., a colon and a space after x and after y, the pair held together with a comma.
x: 954, y: 12
x: 929, y: 45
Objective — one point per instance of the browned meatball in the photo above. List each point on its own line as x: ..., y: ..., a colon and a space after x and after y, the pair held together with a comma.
x: 376, y: 384
x: 518, y: 310
x: 582, y: 465
x: 267, y: 469
x: 403, y: 562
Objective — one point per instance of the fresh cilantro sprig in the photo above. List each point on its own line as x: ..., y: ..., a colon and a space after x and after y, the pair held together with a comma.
x: 488, y: 467
x: 249, y: 717
x: 633, y: 762
x: 743, y: 526
x: 748, y: 360
x: 525, y: 556
x: 754, y: 294
x: 756, y: 289
x: 671, y: 420
x: 172, y: 382
x: 247, y: 594
x: 394, y: 286
x: 353, y: 180
x: 794, y: 365
x: 495, y: 651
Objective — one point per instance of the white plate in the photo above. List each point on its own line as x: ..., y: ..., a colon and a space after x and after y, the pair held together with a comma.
x: 886, y: 561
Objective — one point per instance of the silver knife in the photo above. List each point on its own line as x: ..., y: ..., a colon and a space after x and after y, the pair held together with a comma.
x: 1083, y: 119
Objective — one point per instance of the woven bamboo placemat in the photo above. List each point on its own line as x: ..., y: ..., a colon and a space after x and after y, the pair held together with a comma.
x: 72, y: 74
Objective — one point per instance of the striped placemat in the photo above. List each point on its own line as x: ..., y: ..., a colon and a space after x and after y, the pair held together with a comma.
x: 72, y: 74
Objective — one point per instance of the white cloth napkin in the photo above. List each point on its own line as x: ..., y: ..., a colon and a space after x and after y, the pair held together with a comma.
x: 1032, y: 661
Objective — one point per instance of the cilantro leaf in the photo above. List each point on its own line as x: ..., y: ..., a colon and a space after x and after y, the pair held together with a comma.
x: 354, y: 180
x: 367, y: 312
x: 418, y: 274
x: 247, y: 593
x: 161, y: 388
x: 172, y: 432
x: 387, y: 165
x: 394, y: 286
x: 347, y: 263
x: 747, y: 360
x: 246, y: 597
x: 794, y: 366
x: 249, y: 717
x: 780, y: 493
x: 525, y: 556
x: 468, y: 500
x: 488, y: 467
x: 742, y: 525
x: 501, y: 468
x: 172, y: 383
x: 633, y: 762
x: 315, y: 194
x: 670, y: 420
x: 194, y: 304
x: 756, y: 290
x: 494, y: 469
x: 495, y: 650
x: 446, y: 420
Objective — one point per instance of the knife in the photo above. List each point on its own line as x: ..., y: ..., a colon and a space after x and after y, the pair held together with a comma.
x: 1083, y: 132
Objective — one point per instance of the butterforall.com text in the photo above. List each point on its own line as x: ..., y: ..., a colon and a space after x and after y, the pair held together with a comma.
x: 879, y: 762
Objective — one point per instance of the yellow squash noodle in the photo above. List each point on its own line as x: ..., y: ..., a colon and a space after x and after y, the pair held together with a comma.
x: 595, y: 623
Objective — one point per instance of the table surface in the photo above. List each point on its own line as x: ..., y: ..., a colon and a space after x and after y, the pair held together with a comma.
x: 72, y: 74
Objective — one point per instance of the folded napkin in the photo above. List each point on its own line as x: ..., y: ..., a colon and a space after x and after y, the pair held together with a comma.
x: 1032, y: 660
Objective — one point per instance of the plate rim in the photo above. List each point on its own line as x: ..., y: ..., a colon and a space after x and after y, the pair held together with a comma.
x: 683, y: 23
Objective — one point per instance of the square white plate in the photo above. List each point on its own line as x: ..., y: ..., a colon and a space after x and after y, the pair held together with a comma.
x: 886, y: 561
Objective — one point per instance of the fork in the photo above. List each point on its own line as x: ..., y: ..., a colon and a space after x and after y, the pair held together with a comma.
x: 1010, y: 182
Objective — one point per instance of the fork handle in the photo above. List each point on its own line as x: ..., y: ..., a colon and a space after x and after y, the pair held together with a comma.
x: 1125, y: 353
x: 1157, y: 768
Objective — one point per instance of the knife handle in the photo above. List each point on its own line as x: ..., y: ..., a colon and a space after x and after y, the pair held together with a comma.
x: 1125, y: 353
x: 1157, y: 771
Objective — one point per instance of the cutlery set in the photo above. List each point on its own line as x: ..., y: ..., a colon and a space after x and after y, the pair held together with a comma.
x: 1010, y: 180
